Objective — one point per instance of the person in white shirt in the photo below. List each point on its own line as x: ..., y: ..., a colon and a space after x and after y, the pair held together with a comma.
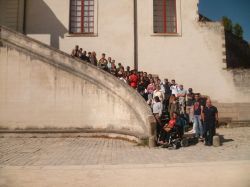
x: 158, y: 93
x: 161, y: 85
x: 174, y: 87
x: 109, y: 63
x: 157, y: 111
x: 181, y: 94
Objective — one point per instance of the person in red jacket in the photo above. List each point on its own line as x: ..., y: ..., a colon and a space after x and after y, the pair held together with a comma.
x: 133, y: 79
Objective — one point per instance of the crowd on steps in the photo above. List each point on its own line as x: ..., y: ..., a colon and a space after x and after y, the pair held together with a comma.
x: 172, y: 105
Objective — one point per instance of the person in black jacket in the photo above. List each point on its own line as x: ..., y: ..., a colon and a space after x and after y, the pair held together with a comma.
x: 210, y: 118
x: 84, y: 56
x: 167, y: 93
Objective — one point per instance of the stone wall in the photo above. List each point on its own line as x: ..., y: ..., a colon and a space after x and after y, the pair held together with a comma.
x: 237, y: 111
x: 195, y: 56
x: 237, y: 51
x: 43, y: 88
x: 241, y: 79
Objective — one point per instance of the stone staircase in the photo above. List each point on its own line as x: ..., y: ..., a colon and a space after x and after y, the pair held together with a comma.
x: 44, y: 89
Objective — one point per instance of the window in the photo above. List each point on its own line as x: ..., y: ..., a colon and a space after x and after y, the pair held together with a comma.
x: 164, y: 16
x: 82, y: 16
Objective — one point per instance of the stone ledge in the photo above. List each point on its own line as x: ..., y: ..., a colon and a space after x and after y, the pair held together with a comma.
x: 79, y: 133
x: 229, y: 123
x: 37, y: 50
x: 234, y: 124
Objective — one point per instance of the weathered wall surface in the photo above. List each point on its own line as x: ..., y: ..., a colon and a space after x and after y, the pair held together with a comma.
x: 44, y: 88
x: 113, y: 27
x: 237, y: 111
x: 194, y: 56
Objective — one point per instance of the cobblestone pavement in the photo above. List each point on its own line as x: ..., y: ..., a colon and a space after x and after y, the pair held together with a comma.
x: 99, y: 151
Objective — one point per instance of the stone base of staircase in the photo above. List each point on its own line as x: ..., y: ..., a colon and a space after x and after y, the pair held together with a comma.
x: 227, y: 123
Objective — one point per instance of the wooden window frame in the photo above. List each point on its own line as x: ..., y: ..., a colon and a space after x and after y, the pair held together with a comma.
x: 164, y: 15
x: 82, y: 16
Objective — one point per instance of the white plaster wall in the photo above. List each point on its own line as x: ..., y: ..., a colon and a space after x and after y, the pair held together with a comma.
x: 114, y: 32
x: 194, y: 56
x: 34, y: 94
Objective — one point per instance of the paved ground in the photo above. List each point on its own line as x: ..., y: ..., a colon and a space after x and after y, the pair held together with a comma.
x: 96, y: 151
x: 77, y: 159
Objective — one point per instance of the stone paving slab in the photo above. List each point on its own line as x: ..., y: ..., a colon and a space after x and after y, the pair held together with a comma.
x: 98, y: 151
x: 45, y: 162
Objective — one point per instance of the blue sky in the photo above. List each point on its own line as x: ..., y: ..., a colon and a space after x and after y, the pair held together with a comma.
x: 237, y: 10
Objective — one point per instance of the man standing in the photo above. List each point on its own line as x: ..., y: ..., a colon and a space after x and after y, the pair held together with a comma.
x: 197, y: 109
x: 173, y: 88
x: 167, y: 93
x: 93, y: 59
x: 109, y: 63
x: 75, y: 51
x: 181, y: 94
x: 84, y: 56
x: 189, y: 105
x: 158, y: 93
x: 103, y: 62
x: 146, y: 80
x: 209, y: 117
x: 133, y: 79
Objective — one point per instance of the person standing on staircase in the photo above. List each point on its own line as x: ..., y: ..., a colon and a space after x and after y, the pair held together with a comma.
x: 197, y: 109
x: 84, y: 56
x: 181, y: 94
x: 103, y: 62
x: 151, y: 89
x: 158, y: 92
x: 189, y: 105
x: 157, y: 111
x: 93, y: 58
x: 167, y: 94
x: 109, y: 63
x: 133, y: 79
x: 75, y: 52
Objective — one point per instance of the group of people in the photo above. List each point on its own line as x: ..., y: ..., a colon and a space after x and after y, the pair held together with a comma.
x: 108, y: 65
x: 162, y: 96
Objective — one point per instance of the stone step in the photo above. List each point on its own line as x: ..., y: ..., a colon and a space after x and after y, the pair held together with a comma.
x: 234, y: 124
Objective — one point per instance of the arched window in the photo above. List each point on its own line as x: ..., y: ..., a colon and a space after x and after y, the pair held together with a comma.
x: 165, y: 16
x: 82, y: 16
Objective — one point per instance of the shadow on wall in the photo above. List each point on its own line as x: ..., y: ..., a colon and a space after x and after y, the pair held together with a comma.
x: 40, y: 19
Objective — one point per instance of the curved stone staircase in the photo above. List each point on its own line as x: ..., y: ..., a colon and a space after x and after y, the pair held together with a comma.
x: 45, y: 90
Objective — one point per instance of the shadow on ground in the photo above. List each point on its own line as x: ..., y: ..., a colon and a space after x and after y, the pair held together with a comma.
x: 224, y: 140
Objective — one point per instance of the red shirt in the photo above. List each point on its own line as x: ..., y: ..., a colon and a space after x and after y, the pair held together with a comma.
x: 133, y: 80
x: 172, y: 123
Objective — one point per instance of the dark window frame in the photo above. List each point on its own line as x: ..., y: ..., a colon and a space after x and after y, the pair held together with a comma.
x: 166, y: 19
x: 86, y: 17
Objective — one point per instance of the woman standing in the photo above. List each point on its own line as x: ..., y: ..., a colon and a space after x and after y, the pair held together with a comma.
x: 151, y: 89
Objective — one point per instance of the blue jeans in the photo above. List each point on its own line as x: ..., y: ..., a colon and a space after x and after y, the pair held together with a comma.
x: 198, y: 125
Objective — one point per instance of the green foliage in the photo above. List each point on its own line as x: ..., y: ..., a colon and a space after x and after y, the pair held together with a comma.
x: 227, y: 23
x: 237, y: 30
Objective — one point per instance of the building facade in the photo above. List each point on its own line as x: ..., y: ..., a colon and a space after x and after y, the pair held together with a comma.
x: 163, y: 37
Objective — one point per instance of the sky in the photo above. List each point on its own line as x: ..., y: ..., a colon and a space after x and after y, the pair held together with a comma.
x: 237, y: 10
